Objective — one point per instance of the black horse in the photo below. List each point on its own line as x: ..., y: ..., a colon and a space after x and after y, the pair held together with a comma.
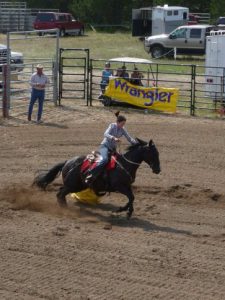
x: 118, y: 179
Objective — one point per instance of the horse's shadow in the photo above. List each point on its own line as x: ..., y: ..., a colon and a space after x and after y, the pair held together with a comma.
x: 121, y: 220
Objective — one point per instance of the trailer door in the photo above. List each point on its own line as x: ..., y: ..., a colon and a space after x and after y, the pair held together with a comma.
x: 141, y: 22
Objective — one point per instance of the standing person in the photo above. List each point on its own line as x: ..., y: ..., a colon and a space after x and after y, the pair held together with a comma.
x: 106, y: 73
x: 109, y: 144
x: 38, y: 83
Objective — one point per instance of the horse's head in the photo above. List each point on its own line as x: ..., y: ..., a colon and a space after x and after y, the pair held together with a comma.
x: 151, y: 155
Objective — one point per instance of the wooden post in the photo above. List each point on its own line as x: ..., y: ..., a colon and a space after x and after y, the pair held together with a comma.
x: 5, y: 104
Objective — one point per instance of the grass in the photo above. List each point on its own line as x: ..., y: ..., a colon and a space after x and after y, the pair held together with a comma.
x: 102, y: 46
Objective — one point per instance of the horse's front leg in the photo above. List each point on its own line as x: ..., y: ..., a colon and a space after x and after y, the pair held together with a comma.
x: 127, y: 191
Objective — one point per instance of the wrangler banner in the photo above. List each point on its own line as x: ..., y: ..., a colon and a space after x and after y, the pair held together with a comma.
x: 156, y: 98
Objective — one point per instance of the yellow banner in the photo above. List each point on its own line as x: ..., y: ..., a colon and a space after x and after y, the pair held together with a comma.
x: 157, y: 98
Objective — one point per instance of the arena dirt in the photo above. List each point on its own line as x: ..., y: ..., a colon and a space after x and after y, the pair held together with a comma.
x: 172, y: 248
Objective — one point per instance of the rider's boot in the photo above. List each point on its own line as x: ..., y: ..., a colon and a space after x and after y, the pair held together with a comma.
x: 92, y: 176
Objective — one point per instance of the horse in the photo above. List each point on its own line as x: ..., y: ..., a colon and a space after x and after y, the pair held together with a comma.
x: 118, y: 179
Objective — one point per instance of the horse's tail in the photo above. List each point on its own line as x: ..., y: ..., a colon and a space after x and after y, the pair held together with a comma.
x: 44, y: 178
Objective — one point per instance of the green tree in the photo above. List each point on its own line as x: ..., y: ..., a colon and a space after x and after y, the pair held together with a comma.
x: 120, y: 11
x: 217, y: 9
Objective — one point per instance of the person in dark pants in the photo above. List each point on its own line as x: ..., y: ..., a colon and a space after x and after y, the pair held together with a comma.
x: 109, y: 144
x: 106, y: 73
x: 38, y: 83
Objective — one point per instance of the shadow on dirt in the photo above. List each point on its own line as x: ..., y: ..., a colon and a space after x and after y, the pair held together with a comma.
x: 121, y: 220
x: 23, y: 197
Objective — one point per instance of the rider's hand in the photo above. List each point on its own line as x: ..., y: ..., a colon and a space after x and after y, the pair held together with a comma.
x: 116, y: 140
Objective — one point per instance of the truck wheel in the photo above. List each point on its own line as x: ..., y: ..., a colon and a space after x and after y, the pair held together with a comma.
x: 81, y: 32
x: 157, y: 51
x: 62, y: 32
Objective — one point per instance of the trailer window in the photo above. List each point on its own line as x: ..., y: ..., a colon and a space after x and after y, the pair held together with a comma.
x: 175, y: 12
x: 169, y: 13
x: 184, y: 16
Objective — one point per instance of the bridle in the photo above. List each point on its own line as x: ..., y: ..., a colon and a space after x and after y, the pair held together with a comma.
x: 132, y: 162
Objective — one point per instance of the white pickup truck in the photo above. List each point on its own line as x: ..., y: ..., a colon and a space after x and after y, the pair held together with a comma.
x: 16, y: 59
x: 187, y: 39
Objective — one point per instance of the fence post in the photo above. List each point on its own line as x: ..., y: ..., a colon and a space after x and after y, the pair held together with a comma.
x: 55, y: 69
x: 90, y: 83
x: 55, y: 82
x: 87, y: 78
x: 193, y: 77
x: 5, y: 98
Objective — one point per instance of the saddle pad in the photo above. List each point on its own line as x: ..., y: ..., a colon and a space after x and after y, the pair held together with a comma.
x: 112, y: 163
x: 88, y: 165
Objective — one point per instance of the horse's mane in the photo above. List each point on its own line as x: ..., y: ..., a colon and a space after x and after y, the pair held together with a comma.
x: 134, y: 146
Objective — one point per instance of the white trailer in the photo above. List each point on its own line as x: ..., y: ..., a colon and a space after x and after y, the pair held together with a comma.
x: 215, y: 65
x: 148, y: 21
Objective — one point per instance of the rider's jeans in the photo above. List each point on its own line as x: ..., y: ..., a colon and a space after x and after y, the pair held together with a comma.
x: 104, y: 151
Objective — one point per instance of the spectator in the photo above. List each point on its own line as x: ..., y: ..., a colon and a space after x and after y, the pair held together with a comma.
x: 38, y: 83
x: 122, y: 73
x: 125, y: 74
x: 136, y: 77
x: 119, y: 72
x: 106, y: 73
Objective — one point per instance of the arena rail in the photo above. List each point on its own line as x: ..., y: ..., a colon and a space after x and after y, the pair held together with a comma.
x: 197, y: 96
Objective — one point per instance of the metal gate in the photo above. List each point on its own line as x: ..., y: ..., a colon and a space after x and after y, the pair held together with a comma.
x: 73, y: 74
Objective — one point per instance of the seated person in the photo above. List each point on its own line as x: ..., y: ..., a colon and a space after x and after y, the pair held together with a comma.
x: 119, y: 73
x: 125, y: 74
x: 106, y: 73
x: 122, y: 73
x: 136, y: 77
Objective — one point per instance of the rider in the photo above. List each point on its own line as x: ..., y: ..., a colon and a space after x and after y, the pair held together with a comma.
x: 109, y: 144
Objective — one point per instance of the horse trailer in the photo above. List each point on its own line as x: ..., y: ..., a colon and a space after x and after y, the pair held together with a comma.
x: 215, y: 65
x: 157, y: 20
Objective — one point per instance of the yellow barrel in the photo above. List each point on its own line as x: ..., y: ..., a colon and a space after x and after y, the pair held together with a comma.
x: 86, y: 196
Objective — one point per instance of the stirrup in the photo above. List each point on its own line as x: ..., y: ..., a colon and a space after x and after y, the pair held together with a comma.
x: 89, y: 179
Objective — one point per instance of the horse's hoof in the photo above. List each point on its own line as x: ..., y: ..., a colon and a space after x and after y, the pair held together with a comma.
x: 62, y: 203
x: 118, y: 210
x: 129, y: 214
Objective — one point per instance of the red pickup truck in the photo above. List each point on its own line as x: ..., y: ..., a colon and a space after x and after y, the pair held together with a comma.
x: 65, y: 22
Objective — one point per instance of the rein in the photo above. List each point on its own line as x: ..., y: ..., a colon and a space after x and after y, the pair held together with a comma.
x: 131, y: 162
x: 122, y: 167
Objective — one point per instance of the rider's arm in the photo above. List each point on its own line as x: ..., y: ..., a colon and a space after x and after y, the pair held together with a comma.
x: 110, y: 132
x: 128, y: 137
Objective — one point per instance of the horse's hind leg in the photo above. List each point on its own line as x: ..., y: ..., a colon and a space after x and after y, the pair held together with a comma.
x: 61, y: 196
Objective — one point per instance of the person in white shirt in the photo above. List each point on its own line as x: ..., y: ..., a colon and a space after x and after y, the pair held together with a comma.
x: 38, y: 83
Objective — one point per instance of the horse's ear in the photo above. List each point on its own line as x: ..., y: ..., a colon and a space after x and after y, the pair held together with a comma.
x: 141, y: 142
x: 151, y: 143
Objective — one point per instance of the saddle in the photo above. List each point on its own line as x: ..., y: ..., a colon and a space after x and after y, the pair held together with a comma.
x: 93, y: 158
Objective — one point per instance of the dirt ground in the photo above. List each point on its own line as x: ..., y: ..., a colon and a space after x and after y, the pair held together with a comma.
x: 172, y: 248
